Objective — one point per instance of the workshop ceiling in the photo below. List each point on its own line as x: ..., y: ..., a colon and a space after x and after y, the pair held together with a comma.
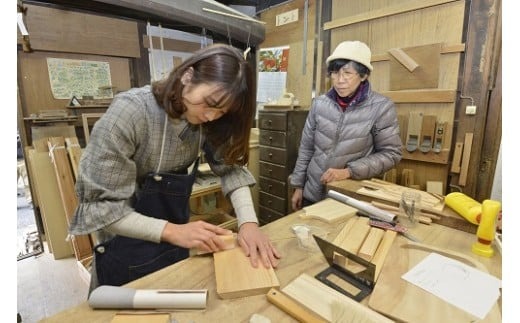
x: 189, y: 16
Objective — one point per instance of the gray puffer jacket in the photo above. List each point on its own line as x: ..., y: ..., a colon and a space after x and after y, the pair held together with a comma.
x: 365, y: 139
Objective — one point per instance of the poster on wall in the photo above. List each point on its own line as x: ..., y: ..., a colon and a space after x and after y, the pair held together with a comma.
x: 272, y: 73
x: 73, y: 77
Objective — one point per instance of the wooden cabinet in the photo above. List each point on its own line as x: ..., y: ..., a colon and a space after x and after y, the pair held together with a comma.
x: 279, y: 139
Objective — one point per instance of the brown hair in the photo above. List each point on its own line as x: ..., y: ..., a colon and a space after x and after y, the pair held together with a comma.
x: 225, y: 66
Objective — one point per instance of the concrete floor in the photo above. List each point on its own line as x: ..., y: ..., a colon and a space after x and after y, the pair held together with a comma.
x: 45, y: 286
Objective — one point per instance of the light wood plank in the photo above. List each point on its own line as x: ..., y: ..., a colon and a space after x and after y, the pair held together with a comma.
x: 466, y: 155
x: 74, y: 150
x: 371, y: 243
x: 235, y: 277
x: 329, y: 210
x: 53, y: 214
x: 421, y: 96
x: 384, y: 246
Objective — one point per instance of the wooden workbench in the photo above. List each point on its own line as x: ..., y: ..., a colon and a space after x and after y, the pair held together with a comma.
x: 198, y: 273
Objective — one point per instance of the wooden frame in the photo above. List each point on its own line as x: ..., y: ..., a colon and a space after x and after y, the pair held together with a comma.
x: 85, y: 117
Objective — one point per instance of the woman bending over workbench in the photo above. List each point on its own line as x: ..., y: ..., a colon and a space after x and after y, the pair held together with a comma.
x: 137, y: 171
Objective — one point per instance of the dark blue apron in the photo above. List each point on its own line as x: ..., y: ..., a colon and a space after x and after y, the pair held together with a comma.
x: 121, y: 259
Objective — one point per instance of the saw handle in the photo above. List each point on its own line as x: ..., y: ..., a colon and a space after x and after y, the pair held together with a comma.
x: 292, y: 307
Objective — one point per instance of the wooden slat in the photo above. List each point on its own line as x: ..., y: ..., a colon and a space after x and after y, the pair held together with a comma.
x: 404, y: 59
x: 421, y: 96
x: 384, y: 12
x: 292, y: 307
x: 176, y: 45
x: 85, y: 119
x: 466, y: 155
x: 352, y: 241
x: 74, y: 150
x: 445, y: 49
x: 372, y: 241
x: 81, y: 243
x: 457, y: 157
x: 329, y: 210
x: 384, y: 247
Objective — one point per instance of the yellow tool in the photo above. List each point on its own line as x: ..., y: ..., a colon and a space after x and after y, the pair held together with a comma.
x: 484, y: 215
x: 486, y: 228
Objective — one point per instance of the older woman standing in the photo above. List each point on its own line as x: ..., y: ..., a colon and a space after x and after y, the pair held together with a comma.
x: 350, y: 132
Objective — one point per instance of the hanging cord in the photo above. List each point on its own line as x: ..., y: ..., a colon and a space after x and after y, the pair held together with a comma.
x: 51, y: 151
x: 203, y: 39
x: 248, y: 47
x: 228, y: 34
x: 200, y: 140
x: 158, y: 177
x: 150, y: 50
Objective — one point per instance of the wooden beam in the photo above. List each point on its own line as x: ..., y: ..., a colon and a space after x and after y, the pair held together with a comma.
x: 171, y: 44
x: 422, y: 96
x: 384, y: 12
x: 445, y: 49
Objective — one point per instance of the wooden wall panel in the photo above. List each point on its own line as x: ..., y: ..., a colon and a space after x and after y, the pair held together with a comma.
x: 441, y: 23
x: 298, y: 82
x: 76, y: 32
x: 35, y: 84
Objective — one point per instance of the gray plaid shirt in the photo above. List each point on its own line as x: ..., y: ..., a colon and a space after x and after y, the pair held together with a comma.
x: 124, y: 146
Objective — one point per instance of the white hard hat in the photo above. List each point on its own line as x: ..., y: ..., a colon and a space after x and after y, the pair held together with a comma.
x: 354, y: 51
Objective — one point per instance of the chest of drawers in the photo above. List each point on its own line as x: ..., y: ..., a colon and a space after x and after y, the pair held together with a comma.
x: 279, y: 139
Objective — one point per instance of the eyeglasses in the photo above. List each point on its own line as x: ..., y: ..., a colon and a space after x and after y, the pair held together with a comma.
x: 344, y: 73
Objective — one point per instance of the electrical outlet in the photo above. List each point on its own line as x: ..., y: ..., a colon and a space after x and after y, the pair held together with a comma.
x: 471, y: 109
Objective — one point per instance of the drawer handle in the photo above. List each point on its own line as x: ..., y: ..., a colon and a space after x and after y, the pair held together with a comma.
x: 269, y: 188
x: 270, y: 122
x: 270, y: 139
x: 269, y: 202
x: 270, y: 155
x: 270, y: 171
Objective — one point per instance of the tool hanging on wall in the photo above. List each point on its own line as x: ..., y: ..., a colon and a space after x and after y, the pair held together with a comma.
x: 414, y: 131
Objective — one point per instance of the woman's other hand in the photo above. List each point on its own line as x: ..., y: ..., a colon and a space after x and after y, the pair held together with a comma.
x: 257, y: 246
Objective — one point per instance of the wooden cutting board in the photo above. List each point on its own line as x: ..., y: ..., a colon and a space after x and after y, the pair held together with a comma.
x: 403, y: 301
x: 328, y: 210
x: 235, y: 277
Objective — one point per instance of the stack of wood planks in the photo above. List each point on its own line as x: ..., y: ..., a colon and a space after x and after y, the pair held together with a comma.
x: 53, y: 165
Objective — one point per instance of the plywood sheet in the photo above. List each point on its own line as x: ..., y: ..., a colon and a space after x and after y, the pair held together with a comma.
x: 329, y: 210
x: 53, y: 214
x: 235, y: 277
x: 395, y: 297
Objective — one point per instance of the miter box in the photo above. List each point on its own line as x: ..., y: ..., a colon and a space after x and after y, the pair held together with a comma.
x: 471, y: 109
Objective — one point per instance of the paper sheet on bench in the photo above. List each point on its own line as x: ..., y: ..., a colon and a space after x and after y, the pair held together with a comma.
x: 457, y: 283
